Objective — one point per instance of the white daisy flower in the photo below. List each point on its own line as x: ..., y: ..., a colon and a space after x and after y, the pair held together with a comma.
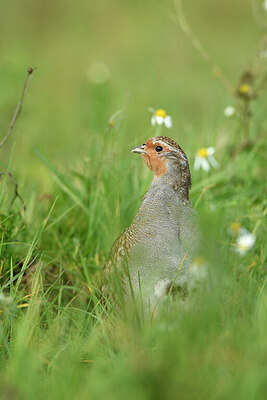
x: 160, y: 117
x: 199, y: 269
x: 204, y: 159
x: 245, y: 242
x: 229, y: 112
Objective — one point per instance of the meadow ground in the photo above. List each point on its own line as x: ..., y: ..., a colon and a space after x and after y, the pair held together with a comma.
x: 100, y: 66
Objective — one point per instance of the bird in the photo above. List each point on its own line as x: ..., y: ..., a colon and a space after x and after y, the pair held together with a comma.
x: 153, y: 254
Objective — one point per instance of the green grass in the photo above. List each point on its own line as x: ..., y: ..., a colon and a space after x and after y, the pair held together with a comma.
x: 82, y: 187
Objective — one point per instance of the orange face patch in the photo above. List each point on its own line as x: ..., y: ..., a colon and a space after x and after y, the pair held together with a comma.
x: 152, y: 158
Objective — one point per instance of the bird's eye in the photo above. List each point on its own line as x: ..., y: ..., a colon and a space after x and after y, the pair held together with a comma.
x: 158, y: 148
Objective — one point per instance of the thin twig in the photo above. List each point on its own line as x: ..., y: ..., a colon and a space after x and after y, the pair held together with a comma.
x: 200, y: 48
x: 17, y: 111
x: 16, y: 194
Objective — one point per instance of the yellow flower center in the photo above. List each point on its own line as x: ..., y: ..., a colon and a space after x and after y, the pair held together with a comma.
x: 243, y: 246
x: 203, y: 152
x: 199, y: 261
x: 235, y: 227
x: 244, y: 88
x: 111, y: 123
x: 161, y: 113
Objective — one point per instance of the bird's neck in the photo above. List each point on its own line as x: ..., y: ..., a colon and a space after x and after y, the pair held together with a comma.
x: 178, y: 181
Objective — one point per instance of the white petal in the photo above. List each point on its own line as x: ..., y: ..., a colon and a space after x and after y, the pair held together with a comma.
x: 204, y: 164
x: 240, y: 251
x: 229, y: 111
x: 213, y: 162
x: 159, y: 120
x: 243, y: 231
x: 247, y: 239
x: 245, y: 242
x: 210, y: 151
x: 168, y: 121
x: 153, y: 120
x: 198, y: 271
x: 197, y: 163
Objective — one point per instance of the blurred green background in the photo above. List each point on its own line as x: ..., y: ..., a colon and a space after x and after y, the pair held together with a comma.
x: 148, y: 62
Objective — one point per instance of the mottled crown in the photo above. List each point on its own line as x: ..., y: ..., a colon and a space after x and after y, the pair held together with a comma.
x: 165, y: 140
x: 168, y: 141
x: 177, y: 154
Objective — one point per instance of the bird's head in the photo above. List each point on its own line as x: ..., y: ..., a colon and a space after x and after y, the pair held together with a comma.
x: 166, y: 158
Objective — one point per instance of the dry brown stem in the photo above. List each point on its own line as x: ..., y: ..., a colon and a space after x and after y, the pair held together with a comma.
x: 18, y: 109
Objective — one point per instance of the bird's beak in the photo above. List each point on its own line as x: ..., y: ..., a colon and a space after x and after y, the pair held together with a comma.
x: 138, y: 150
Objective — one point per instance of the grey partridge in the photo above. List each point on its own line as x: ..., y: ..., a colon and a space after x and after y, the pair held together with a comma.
x: 157, y: 246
